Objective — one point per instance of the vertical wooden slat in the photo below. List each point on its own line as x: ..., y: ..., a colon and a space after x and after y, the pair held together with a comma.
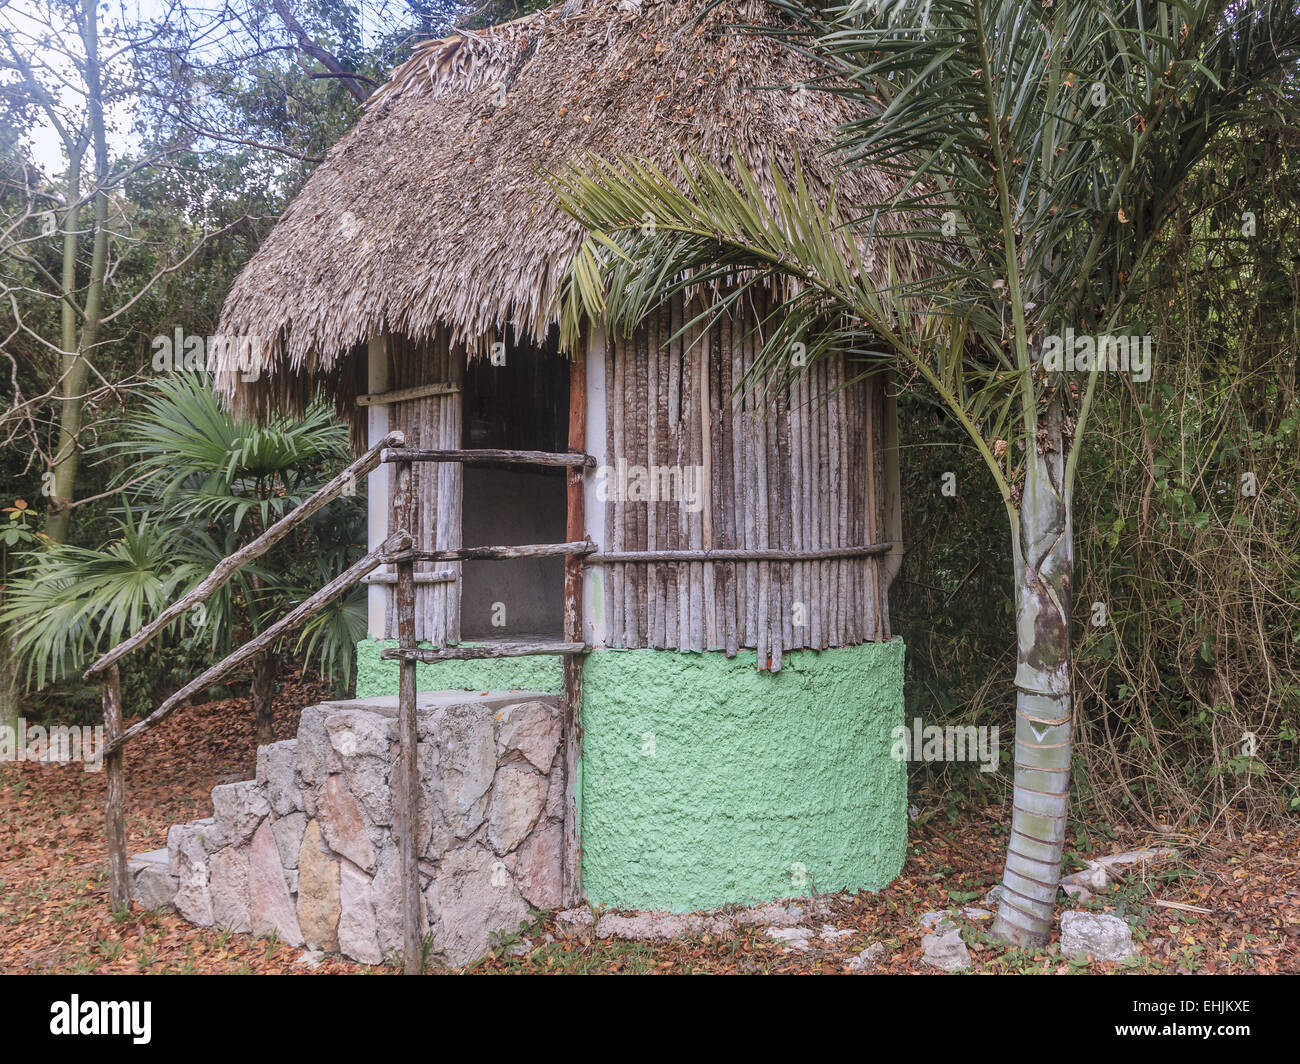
x: 614, y: 434
x: 704, y: 359
x: 825, y: 514
x: 692, y: 431
x: 451, y: 483
x: 811, y: 572
x: 781, y: 467
x: 681, y: 455
x: 632, y: 413
x: 874, y: 516
x: 119, y: 883
x: 727, y: 431
x: 658, y: 406
x: 740, y: 512
x: 715, y: 449
x: 640, y: 512
x: 654, y: 620
x: 753, y: 578
x: 668, y: 455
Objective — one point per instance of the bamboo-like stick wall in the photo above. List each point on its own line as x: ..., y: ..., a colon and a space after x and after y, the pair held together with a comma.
x: 434, y: 423
x: 786, y: 474
x: 789, y: 485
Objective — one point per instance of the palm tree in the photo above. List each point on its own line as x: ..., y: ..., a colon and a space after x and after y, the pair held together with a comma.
x: 206, y: 483
x: 1038, y: 150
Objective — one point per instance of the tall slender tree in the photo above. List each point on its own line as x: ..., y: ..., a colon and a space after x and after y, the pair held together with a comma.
x: 68, y: 39
x: 1039, y: 148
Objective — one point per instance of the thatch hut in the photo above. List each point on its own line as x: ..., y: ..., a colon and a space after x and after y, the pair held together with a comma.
x: 740, y: 681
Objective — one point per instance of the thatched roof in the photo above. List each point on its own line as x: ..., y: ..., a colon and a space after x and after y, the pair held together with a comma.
x: 434, y: 212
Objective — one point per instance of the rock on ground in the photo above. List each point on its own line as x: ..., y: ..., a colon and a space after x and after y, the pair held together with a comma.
x: 152, y: 883
x: 793, y: 937
x: 869, y: 958
x: 945, y: 950
x: 1104, y: 937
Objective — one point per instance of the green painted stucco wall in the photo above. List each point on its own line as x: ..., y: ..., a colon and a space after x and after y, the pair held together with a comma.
x: 706, y: 783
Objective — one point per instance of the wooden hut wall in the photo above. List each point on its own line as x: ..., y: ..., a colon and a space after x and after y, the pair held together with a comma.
x: 797, y: 471
x: 433, y: 423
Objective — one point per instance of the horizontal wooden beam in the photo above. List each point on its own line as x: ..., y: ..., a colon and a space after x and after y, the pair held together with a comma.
x: 430, y: 655
x: 443, y: 576
x: 494, y: 554
x: 401, y: 394
x: 304, y: 610
x: 728, y: 555
x: 228, y: 567
x: 485, y: 456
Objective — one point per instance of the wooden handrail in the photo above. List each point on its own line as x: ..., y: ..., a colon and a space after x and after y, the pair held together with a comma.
x: 305, y: 609
x: 494, y: 554
x: 491, y: 457
x: 487, y: 651
x: 726, y: 554
x: 228, y: 567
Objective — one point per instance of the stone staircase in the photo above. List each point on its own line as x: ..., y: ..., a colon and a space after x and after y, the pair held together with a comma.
x: 306, y: 851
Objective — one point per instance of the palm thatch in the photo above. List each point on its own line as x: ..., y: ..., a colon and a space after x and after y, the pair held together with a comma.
x: 434, y: 217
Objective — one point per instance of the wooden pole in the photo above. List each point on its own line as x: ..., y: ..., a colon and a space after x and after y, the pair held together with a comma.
x: 485, y: 456
x: 571, y: 721
x: 498, y: 554
x: 487, y: 651
x: 119, y: 883
x: 724, y: 554
x: 405, y: 779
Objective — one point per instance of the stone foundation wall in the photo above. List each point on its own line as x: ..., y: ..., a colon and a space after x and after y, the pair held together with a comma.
x: 306, y: 850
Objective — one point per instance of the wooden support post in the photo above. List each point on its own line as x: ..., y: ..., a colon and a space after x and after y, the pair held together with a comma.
x: 405, y: 785
x: 119, y: 883
x: 575, y: 529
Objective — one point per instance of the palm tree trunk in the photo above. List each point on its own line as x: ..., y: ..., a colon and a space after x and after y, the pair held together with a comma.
x: 1044, y: 569
x: 263, y: 694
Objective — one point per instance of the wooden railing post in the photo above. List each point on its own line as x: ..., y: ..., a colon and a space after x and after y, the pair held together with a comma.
x: 406, y: 780
x: 119, y: 883
x: 571, y: 721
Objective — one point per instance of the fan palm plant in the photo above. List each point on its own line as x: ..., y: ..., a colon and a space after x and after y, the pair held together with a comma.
x: 207, y: 483
x: 1038, y: 149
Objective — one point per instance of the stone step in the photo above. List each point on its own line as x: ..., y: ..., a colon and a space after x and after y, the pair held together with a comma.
x: 306, y: 849
x: 152, y: 883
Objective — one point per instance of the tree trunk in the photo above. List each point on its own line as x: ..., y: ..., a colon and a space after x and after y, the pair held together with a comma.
x: 8, y: 684
x: 1044, y: 567
x: 78, y: 350
x: 263, y: 692
x: 72, y: 376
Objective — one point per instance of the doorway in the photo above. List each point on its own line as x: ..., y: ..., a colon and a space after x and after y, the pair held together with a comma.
x: 519, y: 402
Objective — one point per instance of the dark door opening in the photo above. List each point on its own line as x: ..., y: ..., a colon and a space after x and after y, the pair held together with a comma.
x: 521, y: 405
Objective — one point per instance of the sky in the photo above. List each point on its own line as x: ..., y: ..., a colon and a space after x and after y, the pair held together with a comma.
x: 22, y: 19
